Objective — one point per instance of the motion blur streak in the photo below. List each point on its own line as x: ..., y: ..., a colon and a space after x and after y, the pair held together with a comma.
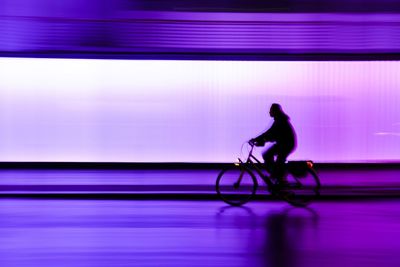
x: 173, y: 233
x: 213, y: 27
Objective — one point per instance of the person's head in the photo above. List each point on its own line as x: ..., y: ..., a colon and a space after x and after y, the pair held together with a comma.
x: 275, y: 110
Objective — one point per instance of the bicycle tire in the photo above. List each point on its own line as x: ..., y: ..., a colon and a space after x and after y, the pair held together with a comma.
x: 225, y: 185
x: 303, y: 191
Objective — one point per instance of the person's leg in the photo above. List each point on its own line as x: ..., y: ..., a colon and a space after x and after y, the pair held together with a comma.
x: 281, y: 158
x: 268, y: 156
x: 280, y: 166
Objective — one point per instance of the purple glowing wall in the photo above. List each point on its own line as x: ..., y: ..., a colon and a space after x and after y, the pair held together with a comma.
x: 179, y: 26
x: 194, y: 111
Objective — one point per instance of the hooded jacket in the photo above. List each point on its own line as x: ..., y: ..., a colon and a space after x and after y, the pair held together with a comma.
x: 281, y: 132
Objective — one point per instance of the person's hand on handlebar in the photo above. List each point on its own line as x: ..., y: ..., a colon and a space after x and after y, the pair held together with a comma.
x: 256, y: 142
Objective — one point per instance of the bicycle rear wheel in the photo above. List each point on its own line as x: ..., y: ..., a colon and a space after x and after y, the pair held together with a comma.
x: 236, y: 185
x: 301, y: 190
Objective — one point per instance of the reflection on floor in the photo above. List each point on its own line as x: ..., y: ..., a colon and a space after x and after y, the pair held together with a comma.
x: 198, y: 233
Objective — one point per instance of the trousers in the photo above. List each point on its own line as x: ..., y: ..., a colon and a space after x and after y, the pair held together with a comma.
x: 275, y: 158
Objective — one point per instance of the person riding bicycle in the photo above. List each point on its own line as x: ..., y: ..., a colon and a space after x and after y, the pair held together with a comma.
x: 283, y: 134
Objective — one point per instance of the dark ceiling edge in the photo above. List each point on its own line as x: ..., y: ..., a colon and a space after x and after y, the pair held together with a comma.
x: 208, y: 56
x: 174, y: 165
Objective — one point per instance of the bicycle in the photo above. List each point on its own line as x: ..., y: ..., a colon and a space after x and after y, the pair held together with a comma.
x: 237, y: 184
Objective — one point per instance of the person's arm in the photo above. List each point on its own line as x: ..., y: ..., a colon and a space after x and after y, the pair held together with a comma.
x: 266, y: 136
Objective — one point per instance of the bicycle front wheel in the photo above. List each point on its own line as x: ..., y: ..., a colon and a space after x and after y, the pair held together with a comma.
x: 236, y: 185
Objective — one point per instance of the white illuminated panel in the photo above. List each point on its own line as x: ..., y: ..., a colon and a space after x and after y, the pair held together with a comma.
x: 194, y: 111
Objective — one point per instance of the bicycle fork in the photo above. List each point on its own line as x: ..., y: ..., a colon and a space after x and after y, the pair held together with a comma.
x: 237, y: 184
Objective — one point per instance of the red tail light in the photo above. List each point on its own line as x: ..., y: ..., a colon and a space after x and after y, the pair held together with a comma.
x: 310, y: 164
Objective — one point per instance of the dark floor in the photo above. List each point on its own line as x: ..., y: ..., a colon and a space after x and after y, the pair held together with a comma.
x: 198, y: 233
x: 77, y: 232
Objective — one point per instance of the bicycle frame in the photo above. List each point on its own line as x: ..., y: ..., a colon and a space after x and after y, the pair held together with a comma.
x: 302, y: 184
x: 251, y: 164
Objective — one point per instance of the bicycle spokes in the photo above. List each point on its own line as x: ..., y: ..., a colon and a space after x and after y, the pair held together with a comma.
x: 301, y: 190
x: 236, y: 185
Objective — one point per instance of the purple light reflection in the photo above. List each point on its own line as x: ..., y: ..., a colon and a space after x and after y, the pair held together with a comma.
x: 193, y: 111
x: 111, y: 26
x: 192, y: 233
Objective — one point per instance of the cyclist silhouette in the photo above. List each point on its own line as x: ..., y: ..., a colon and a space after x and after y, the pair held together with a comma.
x: 283, y: 134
